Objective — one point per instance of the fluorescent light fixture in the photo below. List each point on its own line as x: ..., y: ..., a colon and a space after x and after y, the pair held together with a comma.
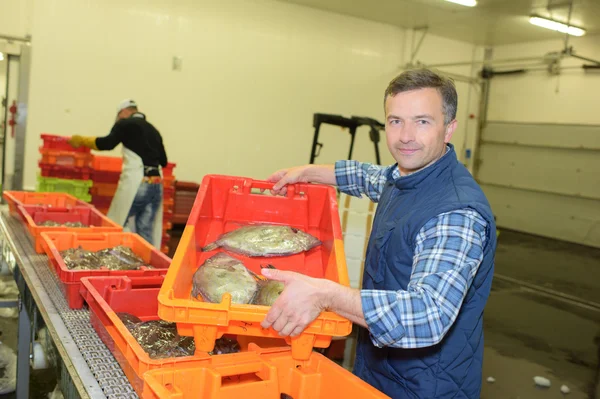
x: 1, y: 57
x: 557, y: 26
x: 468, y: 3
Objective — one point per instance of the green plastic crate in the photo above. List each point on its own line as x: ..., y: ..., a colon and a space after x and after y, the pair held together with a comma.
x: 77, y: 188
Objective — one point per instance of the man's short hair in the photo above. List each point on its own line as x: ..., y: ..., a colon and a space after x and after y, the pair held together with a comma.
x: 416, y: 79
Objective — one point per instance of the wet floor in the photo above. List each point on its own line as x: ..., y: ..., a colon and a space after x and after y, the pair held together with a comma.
x: 528, y: 333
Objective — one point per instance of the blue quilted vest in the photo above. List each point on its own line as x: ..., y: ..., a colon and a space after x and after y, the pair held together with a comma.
x: 452, y: 368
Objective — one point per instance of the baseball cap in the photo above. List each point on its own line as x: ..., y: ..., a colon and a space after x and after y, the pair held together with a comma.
x: 126, y: 104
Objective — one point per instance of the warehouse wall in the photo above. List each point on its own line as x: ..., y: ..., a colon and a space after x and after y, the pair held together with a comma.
x: 540, y: 157
x: 253, y: 73
x: 15, y: 17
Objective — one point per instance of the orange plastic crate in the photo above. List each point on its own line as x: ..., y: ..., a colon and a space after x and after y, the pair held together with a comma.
x: 54, y: 243
x: 66, y: 158
x: 104, y: 189
x: 167, y: 171
x: 262, y: 373
x: 14, y: 199
x: 107, y: 296
x: 221, y: 205
x: 55, y: 142
x: 33, y: 215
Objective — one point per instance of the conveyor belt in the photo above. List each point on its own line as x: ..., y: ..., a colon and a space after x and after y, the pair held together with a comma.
x: 91, y: 370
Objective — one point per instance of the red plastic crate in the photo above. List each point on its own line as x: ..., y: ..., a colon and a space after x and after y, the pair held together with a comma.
x: 65, y: 172
x: 101, y: 201
x: 66, y: 158
x: 54, y: 243
x: 223, y: 203
x: 14, y: 199
x: 107, y: 296
x: 167, y: 171
x: 261, y: 373
x: 107, y: 169
x: 169, y: 192
x: 34, y: 215
x: 61, y: 143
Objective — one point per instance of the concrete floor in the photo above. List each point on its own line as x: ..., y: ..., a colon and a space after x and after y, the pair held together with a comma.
x: 528, y: 332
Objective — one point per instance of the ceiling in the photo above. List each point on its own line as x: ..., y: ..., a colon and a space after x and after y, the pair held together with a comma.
x: 491, y: 22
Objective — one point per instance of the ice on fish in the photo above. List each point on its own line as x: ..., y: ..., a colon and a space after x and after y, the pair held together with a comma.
x: 541, y: 381
x: 220, y: 274
x: 265, y: 240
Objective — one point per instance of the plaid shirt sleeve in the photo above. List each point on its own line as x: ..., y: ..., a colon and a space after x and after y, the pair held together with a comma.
x: 448, y: 252
x: 357, y: 178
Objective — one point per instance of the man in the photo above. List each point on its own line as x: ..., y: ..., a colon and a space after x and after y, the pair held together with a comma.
x: 430, y: 258
x: 139, y: 193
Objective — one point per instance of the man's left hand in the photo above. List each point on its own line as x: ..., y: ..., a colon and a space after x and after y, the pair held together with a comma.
x: 301, y: 302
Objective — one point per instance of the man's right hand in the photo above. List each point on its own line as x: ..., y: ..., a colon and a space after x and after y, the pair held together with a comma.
x: 324, y: 174
x: 283, y: 177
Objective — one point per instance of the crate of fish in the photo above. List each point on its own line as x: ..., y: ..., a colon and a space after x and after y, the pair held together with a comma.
x: 236, y: 227
x: 77, y: 188
x: 61, y: 143
x: 14, y: 199
x: 270, y: 373
x: 123, y: 311
x: 74, y: 256
x: 85, y: 219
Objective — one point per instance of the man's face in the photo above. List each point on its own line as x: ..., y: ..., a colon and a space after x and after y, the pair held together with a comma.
x: 415, y: 130
x: 125, y: 113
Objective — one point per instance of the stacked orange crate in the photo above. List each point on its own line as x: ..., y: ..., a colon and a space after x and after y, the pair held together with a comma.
x: 64, y: 168
x: 168, y: 205
x: 105, y: 177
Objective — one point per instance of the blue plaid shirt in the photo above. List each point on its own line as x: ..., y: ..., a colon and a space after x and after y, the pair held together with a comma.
x: 447, y: 254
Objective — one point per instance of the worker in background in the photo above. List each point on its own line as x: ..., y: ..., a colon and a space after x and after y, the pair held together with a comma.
x: 139, y: 194
x: 430, y: 257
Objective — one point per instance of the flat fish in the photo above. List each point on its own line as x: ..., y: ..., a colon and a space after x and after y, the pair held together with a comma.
x: 265, y: 240
x: 52, y: 223
x: 222, y: 273
x: 269, y: 292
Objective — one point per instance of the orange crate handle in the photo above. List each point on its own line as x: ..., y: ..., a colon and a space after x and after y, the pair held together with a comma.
x: 265, y: 185
x: 265, y: 371
x: 91, y: 236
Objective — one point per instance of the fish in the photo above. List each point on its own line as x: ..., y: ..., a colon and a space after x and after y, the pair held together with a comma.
x: 128, y: 319
x: 265, y: 240
x: 225, y: 345
x: 117, y: 258
x: 52, y: 223
x: 269, y: 291
x: 223, y: 273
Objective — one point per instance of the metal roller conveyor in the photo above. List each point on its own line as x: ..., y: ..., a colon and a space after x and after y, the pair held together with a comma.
x: 87, y: 368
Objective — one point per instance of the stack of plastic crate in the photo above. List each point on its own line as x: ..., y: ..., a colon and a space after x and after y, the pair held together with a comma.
x: 168, y: 205
x: 105, y: 177
x: 64, y: 169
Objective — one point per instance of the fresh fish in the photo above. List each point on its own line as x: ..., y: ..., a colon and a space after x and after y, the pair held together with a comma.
x: 269, y: 291
x: 120, y: 258
x: 265, y: 240
x: 128, y: 319
x: 160, y: 340
x: 52, y: 223
x: 222, y: 273
x: 225, y: 345
x: 117, y: 258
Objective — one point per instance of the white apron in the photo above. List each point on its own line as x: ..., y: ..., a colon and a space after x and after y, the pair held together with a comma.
x: 129, y: 183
